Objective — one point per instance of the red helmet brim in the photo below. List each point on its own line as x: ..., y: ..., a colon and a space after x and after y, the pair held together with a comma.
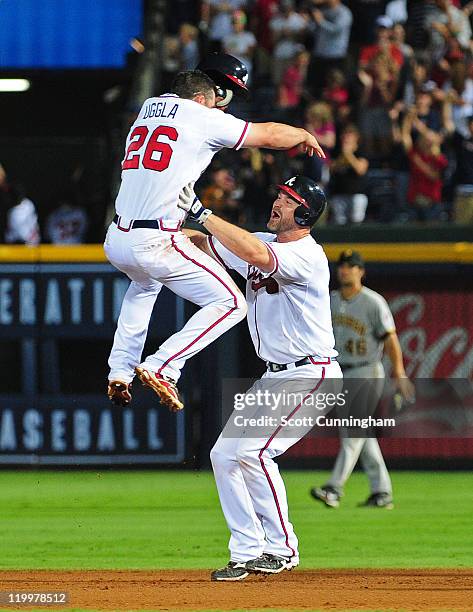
x: 293, y: 194
x: 237, y: 81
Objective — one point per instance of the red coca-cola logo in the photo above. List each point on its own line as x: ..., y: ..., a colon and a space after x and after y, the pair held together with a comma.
x: 436, y: 333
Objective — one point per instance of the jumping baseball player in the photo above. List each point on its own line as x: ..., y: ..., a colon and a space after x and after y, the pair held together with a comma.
x: 289, y: 319
x: 170, y: 144
x: 364, y: 328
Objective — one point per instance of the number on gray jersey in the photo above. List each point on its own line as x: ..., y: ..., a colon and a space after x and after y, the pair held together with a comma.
x: 360, y: 326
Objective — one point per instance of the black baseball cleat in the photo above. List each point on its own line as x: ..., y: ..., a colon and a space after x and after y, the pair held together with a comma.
x: 378, y: 500
x: 271, y: 564
x: 232, y: 572
x: 327, y: 495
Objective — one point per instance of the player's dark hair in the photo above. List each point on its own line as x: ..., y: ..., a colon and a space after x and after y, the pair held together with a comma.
x: 189, y: 83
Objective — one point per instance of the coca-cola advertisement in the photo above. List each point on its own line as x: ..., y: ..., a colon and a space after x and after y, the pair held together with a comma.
x: 436, y: 332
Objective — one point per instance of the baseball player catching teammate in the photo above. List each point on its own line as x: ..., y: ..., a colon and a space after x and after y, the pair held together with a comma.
x: 169, y: 145
x: 289, y: 320
x: 364, y: 327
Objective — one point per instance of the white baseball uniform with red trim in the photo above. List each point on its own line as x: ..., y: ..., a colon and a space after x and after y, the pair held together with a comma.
x: 169, y: 145
x: 289, y: 320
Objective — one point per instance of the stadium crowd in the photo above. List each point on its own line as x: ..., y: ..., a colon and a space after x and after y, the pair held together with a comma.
x: 386, y: 87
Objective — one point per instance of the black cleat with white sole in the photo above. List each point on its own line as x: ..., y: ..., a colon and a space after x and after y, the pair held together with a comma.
x: 378, y: 500
x: 232, y: 572
x: 327, y: 495
x: 270, y: 564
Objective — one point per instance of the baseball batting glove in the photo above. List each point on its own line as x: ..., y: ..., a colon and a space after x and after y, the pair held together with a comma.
x: 189, y: 202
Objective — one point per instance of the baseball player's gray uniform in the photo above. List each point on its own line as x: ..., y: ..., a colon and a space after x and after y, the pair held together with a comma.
x: 360, y: 325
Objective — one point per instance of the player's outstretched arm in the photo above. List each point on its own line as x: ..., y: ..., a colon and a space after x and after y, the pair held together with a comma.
x: 241, y: 243
x: 282, y: 136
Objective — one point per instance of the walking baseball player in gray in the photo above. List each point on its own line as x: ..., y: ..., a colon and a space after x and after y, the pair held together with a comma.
x: 171, y: 143
x: 289, y: 320
x: 364, y: 328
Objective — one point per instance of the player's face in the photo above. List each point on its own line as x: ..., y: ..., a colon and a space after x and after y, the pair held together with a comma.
x: 282, y: 214
x: 349, y: 276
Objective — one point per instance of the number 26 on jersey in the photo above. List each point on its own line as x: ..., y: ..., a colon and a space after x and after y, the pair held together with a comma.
x: 157, y: 154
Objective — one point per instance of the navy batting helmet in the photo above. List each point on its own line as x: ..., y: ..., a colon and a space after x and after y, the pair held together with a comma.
x: 309, y: 195
x: 228, y: 73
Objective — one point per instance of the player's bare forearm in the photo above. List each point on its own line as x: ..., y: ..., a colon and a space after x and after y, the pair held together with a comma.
x: 199, y: 239
x: 240, y: 242
x: 393, y: 350
x: 281, y: 136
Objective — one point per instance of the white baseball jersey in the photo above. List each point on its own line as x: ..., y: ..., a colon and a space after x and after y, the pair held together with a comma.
x: 169, y: 145
x: 288, y: 308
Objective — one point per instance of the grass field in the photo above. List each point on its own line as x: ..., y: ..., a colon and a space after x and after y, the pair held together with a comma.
x: 145, y: 520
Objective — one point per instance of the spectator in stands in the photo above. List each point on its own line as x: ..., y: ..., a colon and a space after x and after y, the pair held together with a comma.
x: 189, y: 47
x: 258, y: 173
x: 448, y: 26
x: 18, y: 218
x: 331, y: 24
x: 383, y: 45
x: 365, y: 13
x: 463, y: 203
x: 171, y: 60
x: 427, y: 165
x: 216, y: 17
x: 263, y: 12
x: 336, y: 93
x: 347, y: 171
x: 241, y: 43
x: 380, y: 82
x: 379, y: 73
x: 468, y: 11
x: 418, y: 33
x: 223, y: 194
x: 398, y: 38
x: 425, y: 110
x: 418, y: 75
x: 67, y: 224
x: 288, y: 28
x: 319, y: 122
x: 22, y: 220
x: 292, y: 83
x: 459, y: 92
x: 396, y: 10
x: 399, y: 165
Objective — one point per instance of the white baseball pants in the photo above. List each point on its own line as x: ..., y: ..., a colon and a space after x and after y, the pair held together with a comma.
x: 250, y: 487
x: 153, y: 258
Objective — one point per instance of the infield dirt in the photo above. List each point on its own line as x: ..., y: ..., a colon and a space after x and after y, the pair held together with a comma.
x: 413, y: 590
